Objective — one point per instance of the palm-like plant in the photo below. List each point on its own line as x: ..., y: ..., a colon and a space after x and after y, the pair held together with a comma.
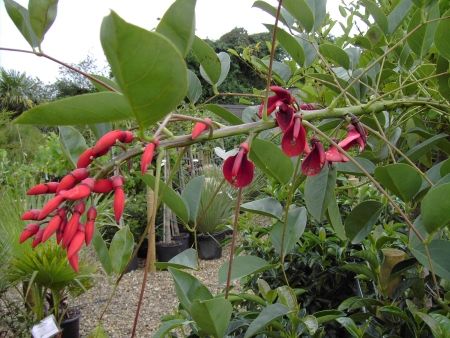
x: 15, y: 91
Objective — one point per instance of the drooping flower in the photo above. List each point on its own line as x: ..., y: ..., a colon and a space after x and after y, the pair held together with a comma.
x: 285, y: 116
x: 294, y: 139
x: 353, y: 138
x: 282, y: 96
x: 334, y: 155
x: 119, y: 197
x: 200, y: 127
x: 238, y: 170
x: 315, y: 160
x: 147, y: 155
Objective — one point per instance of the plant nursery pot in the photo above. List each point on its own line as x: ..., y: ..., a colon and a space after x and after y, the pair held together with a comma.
x: 71, y: 326
x: 133, y: 265
x: 166, y: 251
x: 183, y: 237
x: 209, y: 247
x: 142, y: 251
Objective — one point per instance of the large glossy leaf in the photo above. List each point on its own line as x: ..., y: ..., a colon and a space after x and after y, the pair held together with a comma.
x: 422, y: 38
x: 398, y: 14
x: 319, y: 191
x: 336, y: 54
x: 154, y: 80
x: 102, y: 252
x: 168, y: 326
x: 81, y: 109
x: 271, y: 160
x: 334, y: 217
x: 188, y: 288
x: 401, y: 179
x: 350, y: 326
x: 224, y: 113
x: 308, y: 48
x: 290, y: 44
x: 207, y: 58
x: 42, y: 15
x: 19, y: 15
x: 269, y: 313
x: 225, y: 60
x: 107, y: 81
x: 73, y: 143
x: 441, y: 40
x: 295, y: 227
x: 121, y: 249
x: 194, y: 87
x: 301, y: 11
x: 285, y: 17
x: 268, y: 206
x: 242, y: 266
x: 170, y: 197
x: 192, y: 195
x: 439, y: 252
x: 422, y: 148
x: 327, y: 315
x: 212, y: 316
x: 435, y: 207
x: 319, y: 10
x: 361, y: 220
x: 378, y: 15
x: 184, y: 260
x: 178, y: 24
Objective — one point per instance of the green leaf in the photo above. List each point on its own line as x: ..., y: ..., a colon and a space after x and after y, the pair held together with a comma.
x: 336, y: 54
x: 328, y: 315
x: 295, y: 227
x: 168, y: 326
x: 225, y: 60
x: 73, y: 143
x: 285, y: 17
x: 178, y: 24
x: 435, y: 207
x: 212, y: 316
x: 105, y: 80
x: 194, y: 87
x: 188, y: 288
x: 223, y: 113
x: 170, y: 197
x: 184, y: 260
x: 264, y: 318
x: 319, y: 10
x: 432, y: 324
x: 208, y: 59
x: 102, y: 252
x: 360, y: 269
x: 19, y: 15
x: 271, y: 160
x: 98, y: 332
x: 192, y: 195
x: 301, y: 11
x: 398, y: 14
x: 328, y: 81
x: 319, y: 191
x: 350, y: 326
x: 422, y: 148
x: 242, y: 266
x: 268, y: 206
x: 335, y: 219
x: 42, y: 15
x: 290, y: 44
x: 422, y: 38
x: 442, y: 321
x: 100, y: 129
x: 80, y: 109
x: 360, y: 221
x: 441, y: 40
x: 442, y: 65
x: 154, y: 80
x: 352, y: 169
x: 378, y: 15
x: 308, y: 48
x: 121, y: 249
x: 401, y: 179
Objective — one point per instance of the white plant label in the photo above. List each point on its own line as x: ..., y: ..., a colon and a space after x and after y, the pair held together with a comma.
x: 46, y: 328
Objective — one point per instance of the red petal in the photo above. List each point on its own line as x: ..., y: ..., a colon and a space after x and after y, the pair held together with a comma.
x: 126, y: 137
x: 37, y: 238
x: 147, y: 157
x: 285, y: 117
x: 102, y: 186
x: 119, y: 203
x: 30, y: 230
x: 106, y: 142
x: 51, y: 228
x: 50, y: 206
x: 31, y: 215
x: 333, y: 155
x: 294, y: 146
x: 199, y: 128
x: 245, y: 174
x: 85, y: 158
x: 237, y: 162
x: 70, y: 229
x: 315, y: 160
x: 75, y: 244
x: 77, y: 193
x: 89, y: 232
x: 73, y: 261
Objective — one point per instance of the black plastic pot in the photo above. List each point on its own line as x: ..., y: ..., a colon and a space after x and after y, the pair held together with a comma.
x: 133, y: 265
x: 71, y: 326
x: 183, y: 237
x: 209, y: 246
x: 166, y: 251
x: 142, y: 251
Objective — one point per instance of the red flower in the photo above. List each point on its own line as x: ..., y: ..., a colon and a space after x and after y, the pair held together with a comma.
x: 200, y: 127
x: 353, y: 138
x: 43, y: 188
x: 147, y: 156
x: 294, y: 140
x: 119, y: 197
x: 237, y: 169
x: 334, y: 155
x: 309, y: 106
x: 29, y: 231
x: 85, y: 158
x: 281, y: 96
x: 315, y: 160
x: 284, y: 116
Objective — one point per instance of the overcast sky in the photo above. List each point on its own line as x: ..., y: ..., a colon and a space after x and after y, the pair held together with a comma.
x: 76, y: 30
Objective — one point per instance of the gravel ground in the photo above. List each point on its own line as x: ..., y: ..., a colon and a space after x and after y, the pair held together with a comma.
x: 159, y: 300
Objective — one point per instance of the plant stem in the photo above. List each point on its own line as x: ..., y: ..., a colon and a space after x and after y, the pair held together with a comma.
x: 147, y: 262
x: 233, y: 241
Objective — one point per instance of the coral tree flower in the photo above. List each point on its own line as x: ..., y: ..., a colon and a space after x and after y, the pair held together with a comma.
x: 200, y: 127
x: 282, y: 96
x: 285, y: 116
x: 294, y: 139
x: 315, y: 160
x: 238, y: 169
x: 353, y: 138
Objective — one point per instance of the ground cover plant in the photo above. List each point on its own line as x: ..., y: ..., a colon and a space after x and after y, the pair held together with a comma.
x: 350, y: 132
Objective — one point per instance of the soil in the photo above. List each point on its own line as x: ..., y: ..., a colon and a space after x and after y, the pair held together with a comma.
x: 159, y: 300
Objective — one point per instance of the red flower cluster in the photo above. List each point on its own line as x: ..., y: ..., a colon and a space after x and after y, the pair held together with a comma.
x: 61, y: 215
x: 238, y: 169
x: 294, y: 143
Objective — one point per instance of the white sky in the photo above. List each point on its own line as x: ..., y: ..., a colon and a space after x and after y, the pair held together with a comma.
x: 76, y: 30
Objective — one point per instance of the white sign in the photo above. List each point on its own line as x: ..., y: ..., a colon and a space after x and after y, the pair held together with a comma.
x: 46, y: 328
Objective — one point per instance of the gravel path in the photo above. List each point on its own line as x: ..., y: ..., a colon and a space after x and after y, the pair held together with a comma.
x: 159, y: 300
